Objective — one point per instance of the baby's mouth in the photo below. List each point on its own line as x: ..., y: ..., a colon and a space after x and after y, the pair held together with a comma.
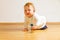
x: 27, y: 13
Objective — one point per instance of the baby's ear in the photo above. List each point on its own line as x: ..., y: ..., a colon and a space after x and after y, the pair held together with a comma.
x: 33, y: 10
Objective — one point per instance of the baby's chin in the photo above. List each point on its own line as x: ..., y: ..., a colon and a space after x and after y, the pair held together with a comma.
x: 29, y: 16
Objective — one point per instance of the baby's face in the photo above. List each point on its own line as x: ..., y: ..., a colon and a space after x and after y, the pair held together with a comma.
x: 29, y: 11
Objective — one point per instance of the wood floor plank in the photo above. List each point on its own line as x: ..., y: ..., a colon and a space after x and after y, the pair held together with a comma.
x: 51, y: 33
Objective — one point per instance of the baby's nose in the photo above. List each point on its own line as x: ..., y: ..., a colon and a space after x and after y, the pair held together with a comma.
x: 27, y: 11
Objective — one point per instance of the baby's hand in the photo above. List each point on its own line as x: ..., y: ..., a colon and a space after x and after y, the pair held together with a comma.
x: 25, y: 29
x: 34, y: 27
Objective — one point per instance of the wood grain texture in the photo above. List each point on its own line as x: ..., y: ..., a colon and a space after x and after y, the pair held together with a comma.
x: 13, y: 32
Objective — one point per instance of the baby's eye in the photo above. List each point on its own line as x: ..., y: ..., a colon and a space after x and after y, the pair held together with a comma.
x: 24, y: 10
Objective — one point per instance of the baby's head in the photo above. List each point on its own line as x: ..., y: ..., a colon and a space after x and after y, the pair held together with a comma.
x: 29, y: 9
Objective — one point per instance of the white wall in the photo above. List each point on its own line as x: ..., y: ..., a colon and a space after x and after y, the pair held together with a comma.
x: 12, y: 10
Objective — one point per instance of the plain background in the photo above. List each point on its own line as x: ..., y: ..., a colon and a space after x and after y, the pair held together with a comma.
x: 13, y: 10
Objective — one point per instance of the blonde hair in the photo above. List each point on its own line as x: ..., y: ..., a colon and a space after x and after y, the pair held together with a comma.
x: 28, y: 4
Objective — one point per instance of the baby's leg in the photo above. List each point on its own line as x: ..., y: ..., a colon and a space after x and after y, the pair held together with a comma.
x: 43, y: 28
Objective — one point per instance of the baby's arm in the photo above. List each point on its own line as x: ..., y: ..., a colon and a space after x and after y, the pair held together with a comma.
x: 25, y: 24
